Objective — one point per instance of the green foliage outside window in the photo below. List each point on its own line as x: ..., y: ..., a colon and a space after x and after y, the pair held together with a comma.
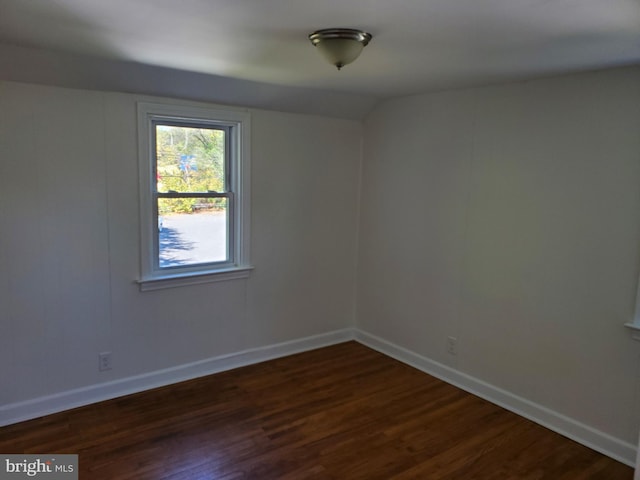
x: 190, y: 160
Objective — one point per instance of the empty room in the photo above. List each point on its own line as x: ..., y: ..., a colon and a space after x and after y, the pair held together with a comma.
x: 339, y: 240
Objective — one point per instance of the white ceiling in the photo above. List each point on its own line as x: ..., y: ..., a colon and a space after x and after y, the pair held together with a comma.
x: 417, y: 46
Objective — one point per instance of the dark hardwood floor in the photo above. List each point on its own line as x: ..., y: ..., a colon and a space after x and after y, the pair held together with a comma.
x: 341, y: 412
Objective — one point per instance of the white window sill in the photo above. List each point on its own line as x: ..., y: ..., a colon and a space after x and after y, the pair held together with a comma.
x: 193, y: 278
x: 635, y: 329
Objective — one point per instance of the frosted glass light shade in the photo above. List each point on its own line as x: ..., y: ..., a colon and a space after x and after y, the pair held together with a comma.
x: 340, y: 46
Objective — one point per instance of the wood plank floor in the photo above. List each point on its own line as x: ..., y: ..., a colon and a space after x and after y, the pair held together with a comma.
x: 341, y: 412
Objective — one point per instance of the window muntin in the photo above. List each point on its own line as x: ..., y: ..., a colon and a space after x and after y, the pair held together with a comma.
x: 194, y: 172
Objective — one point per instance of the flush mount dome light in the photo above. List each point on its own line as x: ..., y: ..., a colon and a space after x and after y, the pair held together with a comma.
x: 340, y: 46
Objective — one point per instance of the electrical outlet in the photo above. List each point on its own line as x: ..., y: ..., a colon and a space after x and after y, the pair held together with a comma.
x: 104, y: 361
x: 452, y: 345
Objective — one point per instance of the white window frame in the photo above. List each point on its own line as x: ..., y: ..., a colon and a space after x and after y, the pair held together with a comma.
x: 634, y: 325
x: 237, y: 125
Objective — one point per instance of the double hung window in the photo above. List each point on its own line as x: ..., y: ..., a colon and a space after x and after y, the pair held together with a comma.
x: 194, y: 169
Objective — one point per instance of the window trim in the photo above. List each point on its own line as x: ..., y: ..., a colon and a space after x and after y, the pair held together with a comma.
x: 634, y: 325
x: 152, y: 277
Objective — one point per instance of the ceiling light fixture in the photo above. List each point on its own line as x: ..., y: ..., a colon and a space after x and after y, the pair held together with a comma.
x: 340, y: 46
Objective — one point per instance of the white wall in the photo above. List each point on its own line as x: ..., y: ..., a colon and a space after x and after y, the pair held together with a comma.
x: 509, y: 217
x: 69, y: 245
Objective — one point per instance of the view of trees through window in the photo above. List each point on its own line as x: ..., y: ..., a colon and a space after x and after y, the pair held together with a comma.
x: 190, y: 172
x: 189, y: 160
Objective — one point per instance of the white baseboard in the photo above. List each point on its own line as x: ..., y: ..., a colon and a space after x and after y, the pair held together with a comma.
x: 38, y: 407
x: 606, y: 444
x: 599, y: 441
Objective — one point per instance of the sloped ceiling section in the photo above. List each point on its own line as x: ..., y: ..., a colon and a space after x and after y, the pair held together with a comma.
x: 31, y: 65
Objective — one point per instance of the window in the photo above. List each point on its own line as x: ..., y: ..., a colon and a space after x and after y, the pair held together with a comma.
x: 194, y: 195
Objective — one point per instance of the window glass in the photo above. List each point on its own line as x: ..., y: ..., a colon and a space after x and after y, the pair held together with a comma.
x: 192, y: 235
x: 190, y: 159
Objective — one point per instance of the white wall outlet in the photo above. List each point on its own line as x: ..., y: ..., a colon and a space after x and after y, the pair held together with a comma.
x: 104, y: 361
x: 452, y: 345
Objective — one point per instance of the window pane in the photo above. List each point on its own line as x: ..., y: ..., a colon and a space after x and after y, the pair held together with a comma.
x: 190, y: 159
x: 192, y: 231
